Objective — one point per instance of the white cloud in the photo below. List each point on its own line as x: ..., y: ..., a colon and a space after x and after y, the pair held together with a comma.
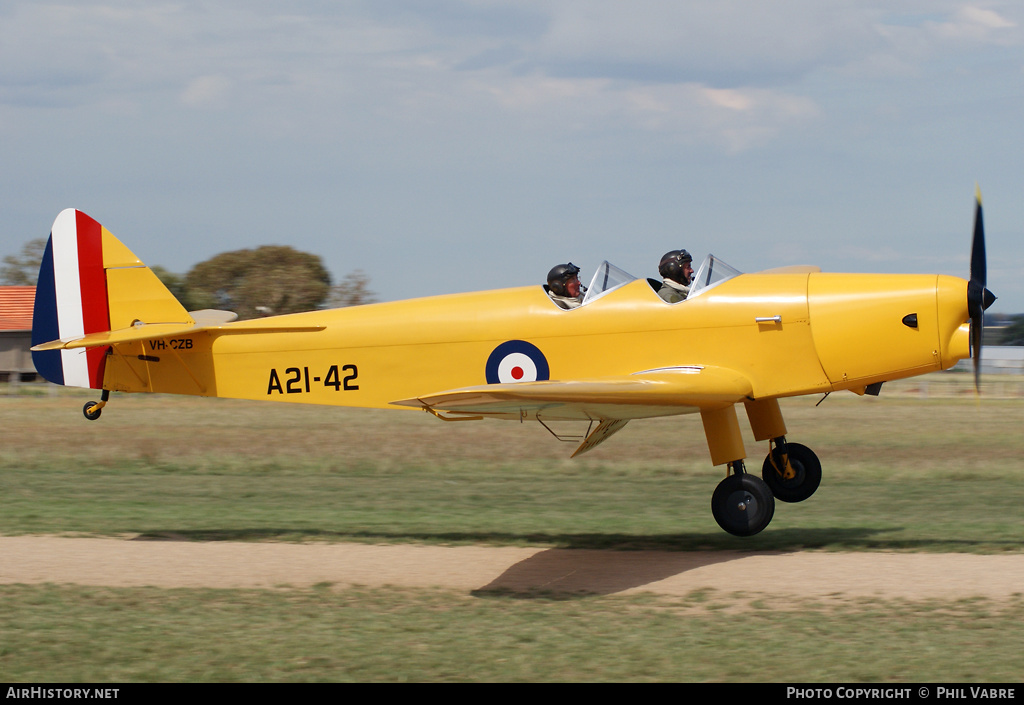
x: 722, y: 43
x: 973, y: 24
x: 734, y: 118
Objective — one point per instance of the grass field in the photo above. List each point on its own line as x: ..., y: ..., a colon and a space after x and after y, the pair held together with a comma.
x: 925, y: 467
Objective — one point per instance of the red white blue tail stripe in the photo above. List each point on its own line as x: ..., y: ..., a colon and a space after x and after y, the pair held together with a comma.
x: 71, y: 301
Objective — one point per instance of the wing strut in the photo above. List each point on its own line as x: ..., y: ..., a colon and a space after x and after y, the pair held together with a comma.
x: 593, y: 436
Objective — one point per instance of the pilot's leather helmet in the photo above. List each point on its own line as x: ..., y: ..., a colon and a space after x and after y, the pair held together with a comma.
x: 560, y: 275
x: 671, y: 265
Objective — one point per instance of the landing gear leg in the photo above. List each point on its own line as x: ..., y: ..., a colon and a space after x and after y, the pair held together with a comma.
x: 92, y: 409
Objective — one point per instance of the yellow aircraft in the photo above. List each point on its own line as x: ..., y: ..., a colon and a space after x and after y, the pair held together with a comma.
x: 104, y: 321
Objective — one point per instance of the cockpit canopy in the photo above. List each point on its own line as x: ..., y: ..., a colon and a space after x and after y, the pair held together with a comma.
x: 711, y: 273
x: 608, y: 277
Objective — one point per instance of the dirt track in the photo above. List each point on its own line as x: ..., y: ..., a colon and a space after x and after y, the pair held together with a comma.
x: 114, y: 562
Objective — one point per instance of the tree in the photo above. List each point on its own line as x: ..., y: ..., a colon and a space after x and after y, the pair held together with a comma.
x: 23, y: 269
x: 268, y: 281
x: 353, y: 290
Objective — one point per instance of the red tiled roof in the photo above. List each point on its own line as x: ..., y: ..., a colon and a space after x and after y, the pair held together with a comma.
x: 16, y: 307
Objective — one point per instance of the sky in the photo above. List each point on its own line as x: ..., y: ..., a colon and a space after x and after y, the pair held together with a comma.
x: 458, y: 145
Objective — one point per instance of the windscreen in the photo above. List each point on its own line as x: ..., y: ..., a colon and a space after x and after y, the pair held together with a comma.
x: 711, y: 273
x: 606, y: 278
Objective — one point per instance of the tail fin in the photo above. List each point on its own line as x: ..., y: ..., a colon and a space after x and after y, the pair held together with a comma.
x: 90, y: 283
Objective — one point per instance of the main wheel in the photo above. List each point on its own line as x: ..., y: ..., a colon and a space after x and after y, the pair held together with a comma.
x: 743, y: 505
x: 92, y: 410
x: 805, y: 481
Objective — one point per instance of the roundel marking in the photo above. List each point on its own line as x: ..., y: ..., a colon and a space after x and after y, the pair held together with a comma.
x: 516, y: 361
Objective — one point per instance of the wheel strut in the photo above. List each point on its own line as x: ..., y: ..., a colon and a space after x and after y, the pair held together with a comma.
x: 778, y: 454
x: 735, y: 467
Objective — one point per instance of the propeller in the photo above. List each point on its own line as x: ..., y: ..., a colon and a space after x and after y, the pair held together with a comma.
x: 979, y: 298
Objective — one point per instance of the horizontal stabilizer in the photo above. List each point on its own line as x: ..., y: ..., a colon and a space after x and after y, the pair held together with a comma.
x: 153, y: 331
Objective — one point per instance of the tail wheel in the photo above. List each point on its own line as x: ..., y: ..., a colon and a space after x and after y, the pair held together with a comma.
x: 806, y: 473
x: 743, y: 504
x: 92, y: 409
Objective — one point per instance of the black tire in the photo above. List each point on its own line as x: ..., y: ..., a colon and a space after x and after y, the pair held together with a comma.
x: 92, y: 410
x: 743, y: 505
x: 801, y: 486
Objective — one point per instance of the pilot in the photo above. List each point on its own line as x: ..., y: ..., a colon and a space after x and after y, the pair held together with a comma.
x: 564, y: 286
x: 677, y: 274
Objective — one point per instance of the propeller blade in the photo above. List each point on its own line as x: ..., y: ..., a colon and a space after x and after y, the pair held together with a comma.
x: 979, y: 269
x: 979, y: 297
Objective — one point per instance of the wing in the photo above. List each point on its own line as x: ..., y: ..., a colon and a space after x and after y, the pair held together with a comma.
x: 662, y: 392
x: 612, y: 400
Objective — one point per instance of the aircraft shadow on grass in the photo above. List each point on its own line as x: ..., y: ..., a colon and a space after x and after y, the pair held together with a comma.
x: 780, y: 540
x: 582, y: 565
